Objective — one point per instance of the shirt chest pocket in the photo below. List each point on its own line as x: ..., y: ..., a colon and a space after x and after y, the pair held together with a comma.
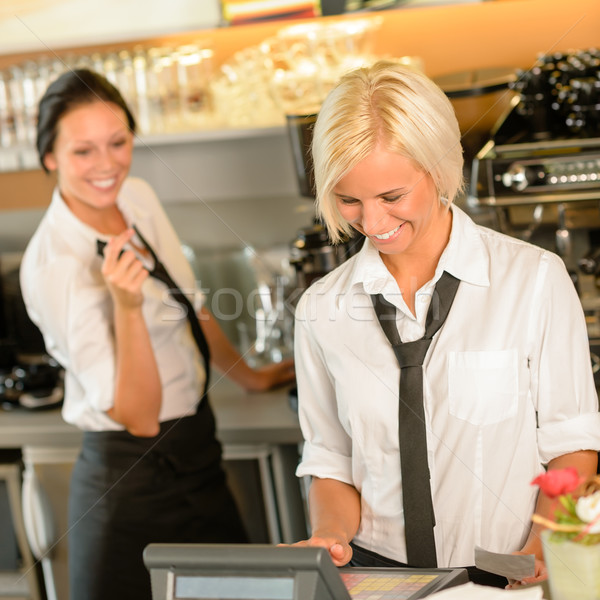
x: 483, y: 386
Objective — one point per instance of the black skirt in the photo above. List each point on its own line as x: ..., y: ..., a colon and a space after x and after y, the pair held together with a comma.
x: 127, y: 492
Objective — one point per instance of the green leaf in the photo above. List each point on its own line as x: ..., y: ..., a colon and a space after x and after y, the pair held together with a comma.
x: 568, y: 503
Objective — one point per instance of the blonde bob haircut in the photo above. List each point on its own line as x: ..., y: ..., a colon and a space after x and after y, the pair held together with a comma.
x: 394, y: 105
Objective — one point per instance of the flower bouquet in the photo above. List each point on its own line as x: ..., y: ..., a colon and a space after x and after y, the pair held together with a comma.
x: 571, y: 541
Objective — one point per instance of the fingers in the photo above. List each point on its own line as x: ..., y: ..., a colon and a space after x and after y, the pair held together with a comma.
x: 341, y: 554
x: 540, y: 575
x: 339, y: 551
x: 279, y: 373
x: 285, y: 372
x: 129, y: 272
x: 272, y: 375
x: 113, y: 249
x: 123, y: 271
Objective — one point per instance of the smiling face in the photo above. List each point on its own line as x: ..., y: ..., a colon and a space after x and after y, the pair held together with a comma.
x: 394, y: 204
x: 92, y: 155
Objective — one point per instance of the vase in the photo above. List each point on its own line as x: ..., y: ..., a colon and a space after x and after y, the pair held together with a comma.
x: 573, y: 569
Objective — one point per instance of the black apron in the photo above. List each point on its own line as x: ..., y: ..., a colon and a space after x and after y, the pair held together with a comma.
x: 127, y: 492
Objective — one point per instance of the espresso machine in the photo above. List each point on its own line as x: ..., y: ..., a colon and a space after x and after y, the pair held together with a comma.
x: 540, y: 170
x: 311, y: 253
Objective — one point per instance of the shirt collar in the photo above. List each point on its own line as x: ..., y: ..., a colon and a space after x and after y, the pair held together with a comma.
x: 82, y: 237
x: 79, y: 236
x: 465, y: 257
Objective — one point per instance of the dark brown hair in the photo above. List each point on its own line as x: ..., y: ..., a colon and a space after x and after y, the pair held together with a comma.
x: 71, y: 89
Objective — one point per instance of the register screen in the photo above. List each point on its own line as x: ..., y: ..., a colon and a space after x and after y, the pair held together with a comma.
x: 234, y: 588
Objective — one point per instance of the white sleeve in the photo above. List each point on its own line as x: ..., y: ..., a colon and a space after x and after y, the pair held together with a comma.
x: 327, y: 451
x: 563, y: 386
x: 74, y: 322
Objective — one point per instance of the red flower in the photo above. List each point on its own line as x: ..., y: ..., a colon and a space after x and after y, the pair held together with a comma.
x: 557, y: 482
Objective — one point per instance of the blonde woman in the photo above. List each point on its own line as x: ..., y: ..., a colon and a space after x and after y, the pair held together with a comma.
x: 507, y: 387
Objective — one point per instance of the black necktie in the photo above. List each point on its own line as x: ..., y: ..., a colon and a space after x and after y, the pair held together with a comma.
x: 160, y: 272
x: 419, y: 518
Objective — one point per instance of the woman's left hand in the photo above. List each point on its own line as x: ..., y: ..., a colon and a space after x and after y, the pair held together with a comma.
x: 540, y: 574
x: 271, y: 376
x: 228, y: 360
x: 586, y: 462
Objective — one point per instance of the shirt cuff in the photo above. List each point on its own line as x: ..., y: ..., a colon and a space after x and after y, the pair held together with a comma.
x: 98, y: 384
x: 319, y: 462
x: 562, y: 437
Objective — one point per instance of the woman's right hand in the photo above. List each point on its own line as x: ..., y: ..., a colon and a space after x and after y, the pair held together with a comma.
x: 123, y: 272
x: 138, y: 389
x: 334, y: 508
x: 338, y: 548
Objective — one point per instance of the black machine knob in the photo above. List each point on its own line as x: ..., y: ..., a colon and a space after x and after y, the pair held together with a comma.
x: 559, y: 95
x: 518, y: 177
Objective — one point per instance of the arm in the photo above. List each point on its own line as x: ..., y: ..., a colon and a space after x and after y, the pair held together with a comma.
x: 585, y: 461
x: 334, y: 509
x: 229, y: 361
x: 224, y: 355
x: 138, y: 390
x: 563, y: 389
x: 334, y: 502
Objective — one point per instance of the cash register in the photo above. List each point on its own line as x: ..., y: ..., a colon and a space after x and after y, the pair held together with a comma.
x: 265, y: 572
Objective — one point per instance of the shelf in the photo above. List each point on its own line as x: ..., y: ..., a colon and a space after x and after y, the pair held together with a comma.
x: 23, y: 157
x: 208, y: 135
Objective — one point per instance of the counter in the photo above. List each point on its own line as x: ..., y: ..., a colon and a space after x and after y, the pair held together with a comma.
x: 242, y: 418
x: 260, y: 436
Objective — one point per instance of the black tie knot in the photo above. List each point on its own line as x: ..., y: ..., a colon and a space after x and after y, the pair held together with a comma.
x: 411, y: 354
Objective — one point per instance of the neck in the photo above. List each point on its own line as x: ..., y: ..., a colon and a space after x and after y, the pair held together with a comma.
x: 414, y: 267
x: 109, y: 220
x: 424, y: 257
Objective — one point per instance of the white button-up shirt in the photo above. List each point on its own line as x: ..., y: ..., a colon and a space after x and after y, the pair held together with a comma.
x: 508, y: 386
x: 66, y: 296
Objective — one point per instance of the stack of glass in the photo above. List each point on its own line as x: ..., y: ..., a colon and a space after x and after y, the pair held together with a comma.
x: 177, y: 89
x: 167, y: 89
x: 291, y: 72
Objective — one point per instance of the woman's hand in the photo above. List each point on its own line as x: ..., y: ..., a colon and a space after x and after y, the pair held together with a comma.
x: 229, y: 361
x: 271, y: 376
x: 540, y: 574
x: 338, y: 548
x: 586, y: 462
x: 123, y: 272
x: 138, y: 389
x: 334, y: 508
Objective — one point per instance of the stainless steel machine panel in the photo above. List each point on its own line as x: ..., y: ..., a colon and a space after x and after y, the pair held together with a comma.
x: 534, y: 173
